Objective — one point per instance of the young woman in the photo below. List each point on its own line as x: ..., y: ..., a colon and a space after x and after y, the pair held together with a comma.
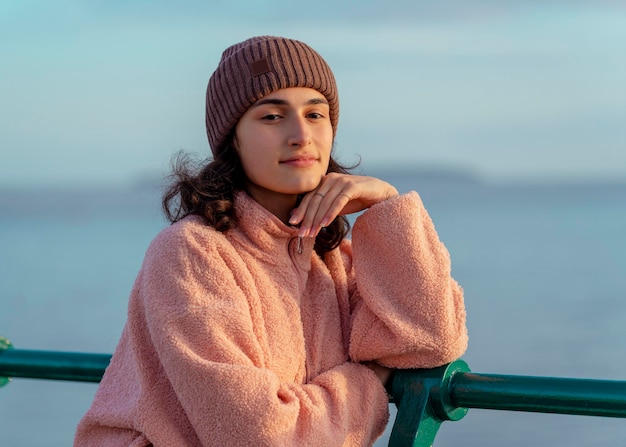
x: 253, y: 320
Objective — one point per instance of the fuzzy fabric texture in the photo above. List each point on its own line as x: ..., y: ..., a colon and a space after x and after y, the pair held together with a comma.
x: 236, y: 339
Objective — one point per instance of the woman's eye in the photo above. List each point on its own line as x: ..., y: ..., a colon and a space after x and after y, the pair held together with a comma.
x: 316, y: 115
x: 271, y: 117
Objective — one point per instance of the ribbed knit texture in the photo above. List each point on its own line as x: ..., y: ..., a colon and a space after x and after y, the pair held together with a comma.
x: 256, y: 67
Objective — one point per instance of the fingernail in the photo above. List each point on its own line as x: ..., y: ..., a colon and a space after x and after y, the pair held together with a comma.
x: 316, y: 230
x: 303, y: 232
x: 325, y: 222
x: 293, y: 220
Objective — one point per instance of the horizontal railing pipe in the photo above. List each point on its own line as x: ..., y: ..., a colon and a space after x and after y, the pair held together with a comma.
x: 587, y: 397
x: 53, y: 365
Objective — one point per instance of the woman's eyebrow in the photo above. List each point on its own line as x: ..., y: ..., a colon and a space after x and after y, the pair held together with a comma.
x: 317, y: 101
x: 282, y: 102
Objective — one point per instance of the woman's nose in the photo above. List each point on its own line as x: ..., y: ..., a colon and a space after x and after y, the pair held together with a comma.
x: 299, y: 133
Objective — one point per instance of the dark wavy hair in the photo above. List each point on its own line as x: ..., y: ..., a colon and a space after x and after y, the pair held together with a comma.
x: 208, y: 189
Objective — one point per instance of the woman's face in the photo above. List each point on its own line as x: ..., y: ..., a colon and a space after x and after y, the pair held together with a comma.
x: 284, y: 141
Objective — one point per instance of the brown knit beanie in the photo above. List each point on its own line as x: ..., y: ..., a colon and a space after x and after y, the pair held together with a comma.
x: 255, y: 68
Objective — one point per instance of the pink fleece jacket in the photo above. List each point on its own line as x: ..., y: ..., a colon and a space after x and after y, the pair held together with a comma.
x: 237, y: 339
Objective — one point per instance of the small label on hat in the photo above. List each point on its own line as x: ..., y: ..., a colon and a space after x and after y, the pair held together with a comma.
x: 259, y: 67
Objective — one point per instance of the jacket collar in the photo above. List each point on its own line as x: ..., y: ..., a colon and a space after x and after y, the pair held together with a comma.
x: 266, y: 233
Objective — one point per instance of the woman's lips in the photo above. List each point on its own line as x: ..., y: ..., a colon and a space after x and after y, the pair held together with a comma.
x: 300, y: 162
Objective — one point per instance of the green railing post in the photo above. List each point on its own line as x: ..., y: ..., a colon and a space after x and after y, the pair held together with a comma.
x: 4, y: 345
x: 423, y: 399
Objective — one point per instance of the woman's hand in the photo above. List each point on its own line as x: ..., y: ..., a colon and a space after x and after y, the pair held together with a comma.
x: 338, y: 194
x: 383, y: 373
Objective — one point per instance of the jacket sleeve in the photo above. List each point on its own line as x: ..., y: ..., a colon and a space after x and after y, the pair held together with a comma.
x: 408, y: 312
x: 198, y: 314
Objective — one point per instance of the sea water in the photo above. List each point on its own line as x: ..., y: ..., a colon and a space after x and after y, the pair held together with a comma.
x: 543, y: 268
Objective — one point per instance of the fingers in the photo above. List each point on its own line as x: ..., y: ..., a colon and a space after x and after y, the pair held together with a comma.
x: 338, y: 194
x: 319, y: 208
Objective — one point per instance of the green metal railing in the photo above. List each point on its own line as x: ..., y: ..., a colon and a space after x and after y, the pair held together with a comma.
x: 73, y: 366
x: 425, y: 398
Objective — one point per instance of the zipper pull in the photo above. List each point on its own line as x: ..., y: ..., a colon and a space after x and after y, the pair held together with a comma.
x: 299, y: 245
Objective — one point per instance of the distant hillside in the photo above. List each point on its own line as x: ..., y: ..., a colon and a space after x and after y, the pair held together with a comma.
x: 428, y: 175
x: 143, y: 194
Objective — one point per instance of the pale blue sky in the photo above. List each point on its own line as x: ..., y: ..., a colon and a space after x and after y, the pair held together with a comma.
x: 103, y: 91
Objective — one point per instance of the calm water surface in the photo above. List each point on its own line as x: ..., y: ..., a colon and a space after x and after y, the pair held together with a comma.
x: 543, y: 268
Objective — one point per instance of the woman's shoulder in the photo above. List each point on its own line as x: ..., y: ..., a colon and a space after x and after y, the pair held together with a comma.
x: 188, y: 233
